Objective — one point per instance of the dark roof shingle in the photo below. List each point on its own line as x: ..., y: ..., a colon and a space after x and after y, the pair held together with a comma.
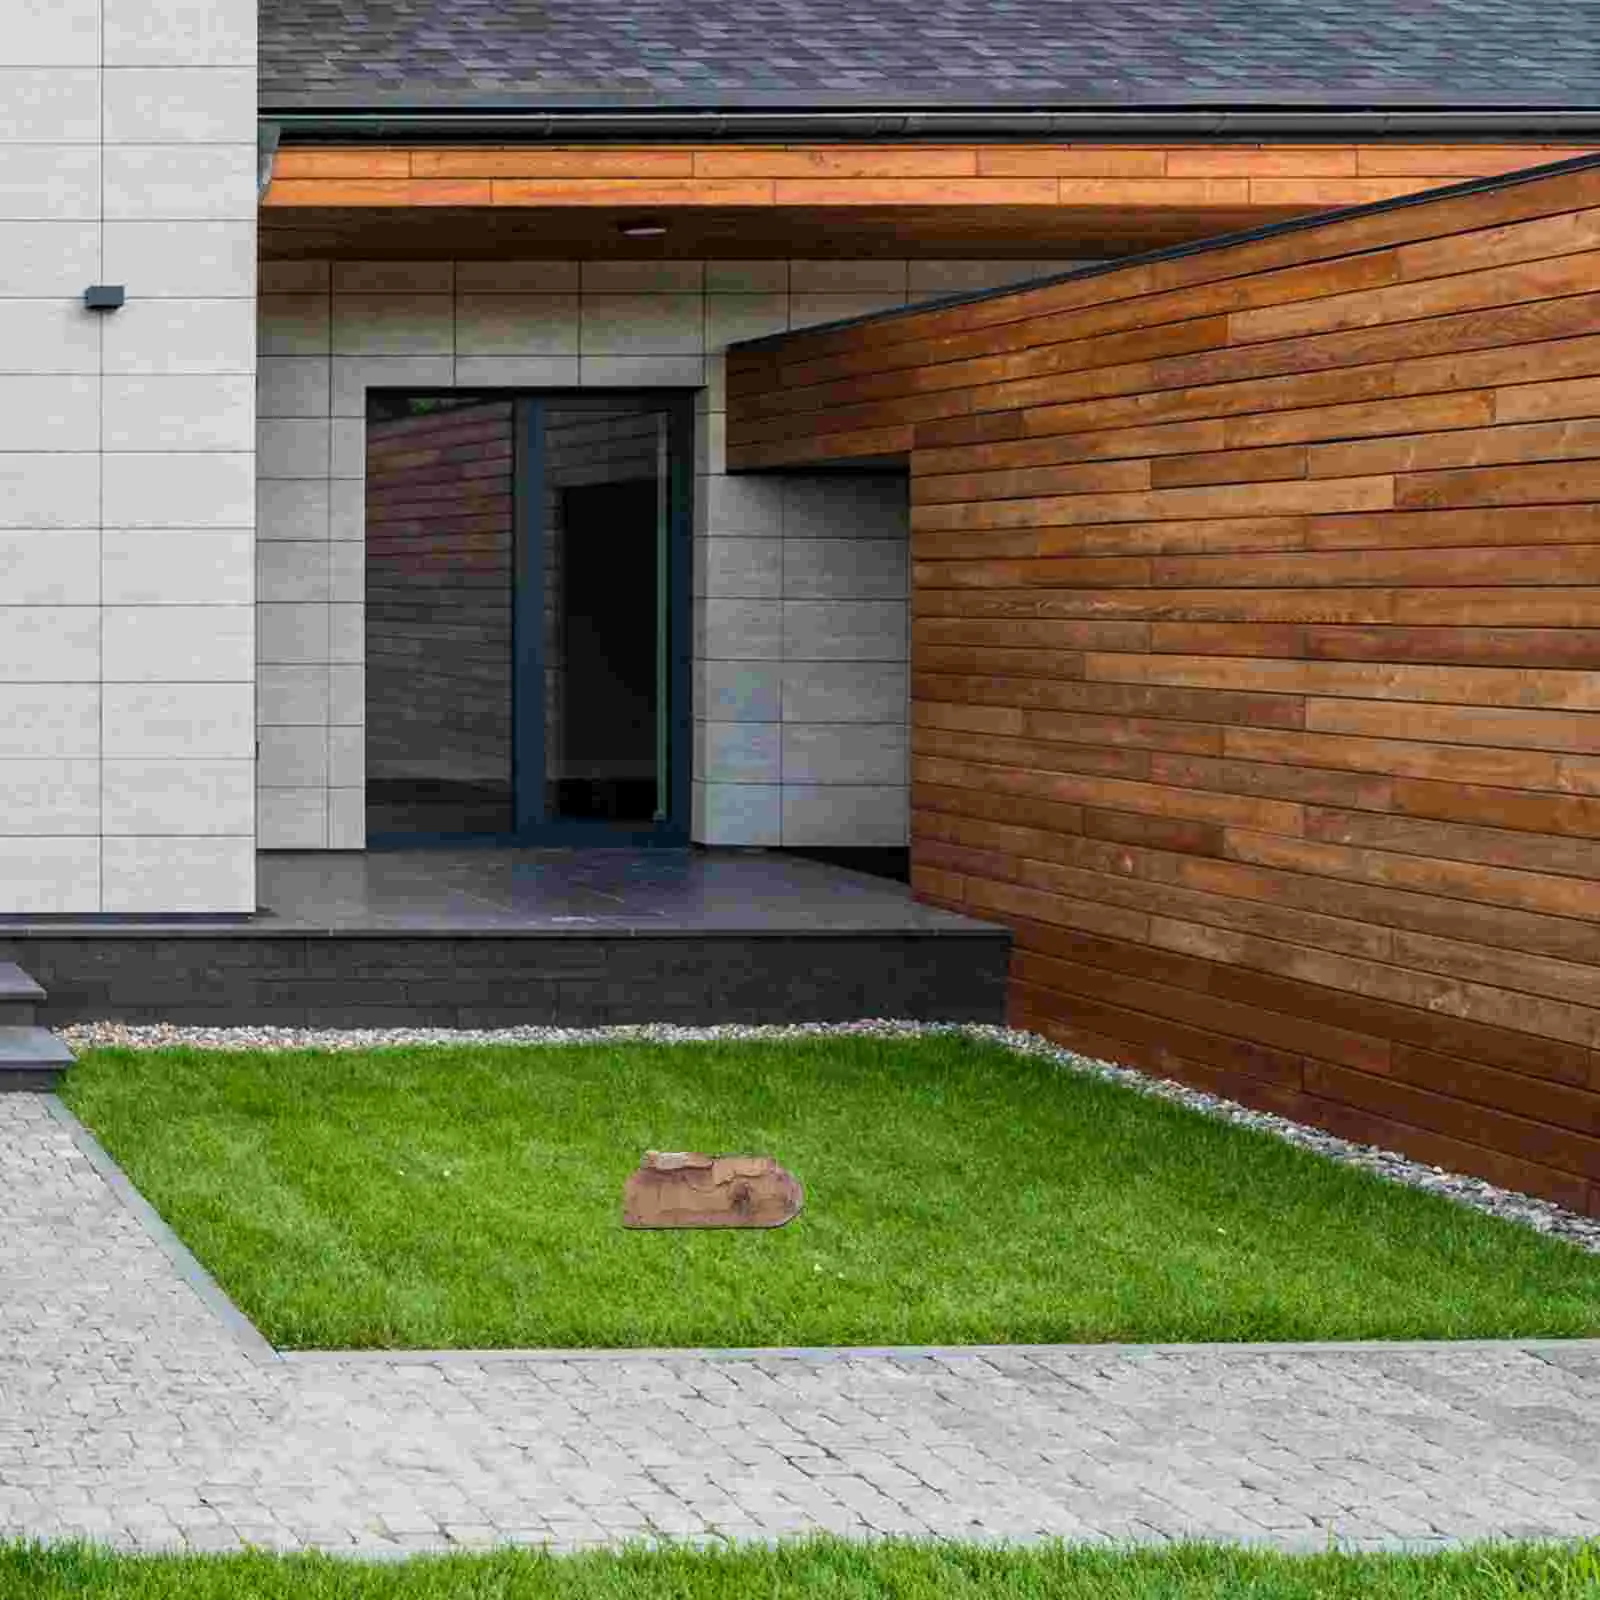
x: 1113, y: 54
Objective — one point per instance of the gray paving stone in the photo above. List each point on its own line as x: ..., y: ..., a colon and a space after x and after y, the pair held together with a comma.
x: 132, y: 1413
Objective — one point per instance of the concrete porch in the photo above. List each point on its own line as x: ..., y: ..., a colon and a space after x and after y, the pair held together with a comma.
x: 494, y: 938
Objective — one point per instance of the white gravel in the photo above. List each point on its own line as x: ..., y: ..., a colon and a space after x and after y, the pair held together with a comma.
x: 1541, y: 1215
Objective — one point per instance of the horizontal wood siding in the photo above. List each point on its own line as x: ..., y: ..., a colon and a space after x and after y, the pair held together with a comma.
x: 1255, y: 621
x: 1231, y: 178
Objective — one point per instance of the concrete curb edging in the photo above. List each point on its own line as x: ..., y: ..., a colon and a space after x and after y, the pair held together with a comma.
x: 819, y: 1354
x: 212, y: 1296
x: 255, y: 1345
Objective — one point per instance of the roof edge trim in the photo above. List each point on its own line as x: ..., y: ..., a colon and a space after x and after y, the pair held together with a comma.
x: 415, y: 124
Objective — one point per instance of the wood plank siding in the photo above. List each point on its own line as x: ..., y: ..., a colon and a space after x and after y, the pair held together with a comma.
x: 1256, y: 620
x: 728, y: 202
x: 1088, y: 202
x: 1229, y: 178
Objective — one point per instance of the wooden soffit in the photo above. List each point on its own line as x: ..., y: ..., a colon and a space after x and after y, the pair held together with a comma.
x: 956, y: 200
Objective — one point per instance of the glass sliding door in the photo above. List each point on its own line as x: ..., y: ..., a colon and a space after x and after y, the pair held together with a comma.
x: 527, y: 621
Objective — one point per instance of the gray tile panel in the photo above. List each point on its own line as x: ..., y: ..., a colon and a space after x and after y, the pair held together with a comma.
x: 1091, y: 53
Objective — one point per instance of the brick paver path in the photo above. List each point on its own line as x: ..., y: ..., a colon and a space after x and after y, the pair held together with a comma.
x: 130, y: 1413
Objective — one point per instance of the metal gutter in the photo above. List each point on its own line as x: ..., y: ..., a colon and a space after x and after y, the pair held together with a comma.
x: 587, y: 124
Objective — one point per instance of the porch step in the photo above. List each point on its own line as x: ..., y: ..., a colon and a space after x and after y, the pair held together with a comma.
x: 31, y: 1060
x: 20, y: 996
x: 31, y: 1057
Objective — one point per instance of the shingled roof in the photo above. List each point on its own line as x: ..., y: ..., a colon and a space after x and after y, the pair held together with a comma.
x: 1113, y: 54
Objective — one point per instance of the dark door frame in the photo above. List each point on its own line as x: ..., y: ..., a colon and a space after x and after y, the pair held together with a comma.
x: 533, y: 826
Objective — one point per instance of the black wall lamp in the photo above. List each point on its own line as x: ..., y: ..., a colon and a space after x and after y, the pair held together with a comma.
x: 104, y: 296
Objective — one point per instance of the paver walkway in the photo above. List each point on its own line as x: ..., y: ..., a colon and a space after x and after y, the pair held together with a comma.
x: 132, y: 1414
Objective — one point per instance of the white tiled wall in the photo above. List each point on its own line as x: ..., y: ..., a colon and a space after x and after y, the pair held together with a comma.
x: 800, y: 582
x: 127, y: 156
x: 801, y: 645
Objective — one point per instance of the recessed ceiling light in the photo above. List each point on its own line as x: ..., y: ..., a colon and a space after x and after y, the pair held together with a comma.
x: 642, y: 228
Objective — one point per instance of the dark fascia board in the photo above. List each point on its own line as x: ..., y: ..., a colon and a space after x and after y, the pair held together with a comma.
x: 857, y: 117
x: 1101, y: 269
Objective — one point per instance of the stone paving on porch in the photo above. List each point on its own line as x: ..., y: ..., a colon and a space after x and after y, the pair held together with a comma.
x: 132, y: 1413
x: 504, y: 937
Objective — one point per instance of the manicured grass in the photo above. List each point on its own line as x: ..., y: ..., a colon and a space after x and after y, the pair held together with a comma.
x: 956, y: 1193
x: 820, y: 1570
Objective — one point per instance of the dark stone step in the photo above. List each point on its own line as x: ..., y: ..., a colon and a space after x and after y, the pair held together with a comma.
x: 20, y: 996
x: 407, y: 979
x: 31, y: 1059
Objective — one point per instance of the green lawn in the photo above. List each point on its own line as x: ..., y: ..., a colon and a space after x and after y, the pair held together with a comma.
x: 956, y: 1193
x: 821, y: 1570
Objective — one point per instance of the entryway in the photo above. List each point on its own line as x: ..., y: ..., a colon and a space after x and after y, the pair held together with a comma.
x: 527, y: 602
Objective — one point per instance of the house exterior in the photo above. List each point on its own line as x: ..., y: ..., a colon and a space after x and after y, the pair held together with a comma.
x: 388, y: 495
x: 305, y: 205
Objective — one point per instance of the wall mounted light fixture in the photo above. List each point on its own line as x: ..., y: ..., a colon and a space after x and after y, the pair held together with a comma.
x: 104, y: 296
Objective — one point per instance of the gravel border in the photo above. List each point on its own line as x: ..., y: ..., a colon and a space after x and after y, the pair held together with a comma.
x: 1541, y: 1215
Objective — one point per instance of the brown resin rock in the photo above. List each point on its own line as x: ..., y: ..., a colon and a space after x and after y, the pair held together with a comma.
x: 679, y: 1189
